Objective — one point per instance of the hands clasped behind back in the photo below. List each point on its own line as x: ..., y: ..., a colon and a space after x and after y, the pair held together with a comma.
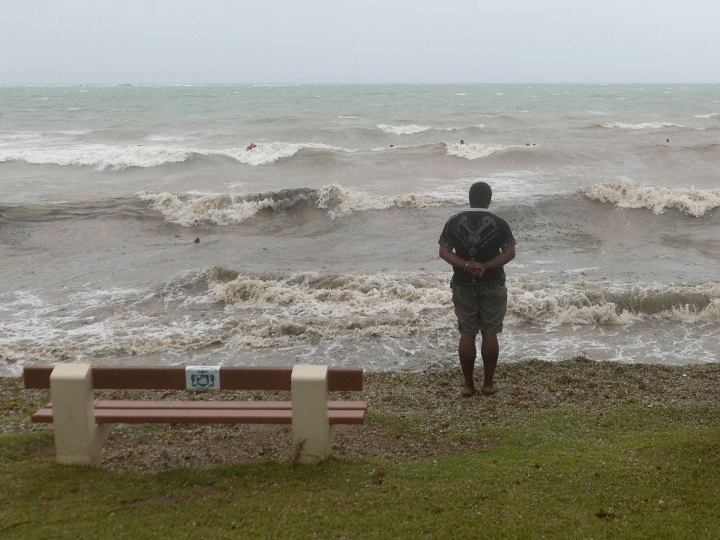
x: 475, y: 268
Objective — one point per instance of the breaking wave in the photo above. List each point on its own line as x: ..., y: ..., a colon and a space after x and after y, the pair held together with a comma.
x: 413, y: 129
x: 220, y: 307
x: 627, y: 194
x: 614, y: 303
x: 644, y: 125
x: 705, y: 115
x: 121, y: 157
x: 44, y: 136
x: 99, y: 156
x: 265, y: 153
x: 106, y: 323
x: 475, y: 151
x: 403, y: 130
x: 192, y: 209
x: 311, y: 305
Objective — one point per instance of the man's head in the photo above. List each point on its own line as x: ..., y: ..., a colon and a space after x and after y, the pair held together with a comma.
x: 480, y: 195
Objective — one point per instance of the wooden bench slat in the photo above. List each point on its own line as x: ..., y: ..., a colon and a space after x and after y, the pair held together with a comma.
x: 217, y: 405
x: 347, y: 416
x: 192, y: 416
x: 204, y: 416
x: 173, y: 378
x: 213, y: 405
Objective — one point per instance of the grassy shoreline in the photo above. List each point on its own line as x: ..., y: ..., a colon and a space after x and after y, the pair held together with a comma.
x: 573, y: 449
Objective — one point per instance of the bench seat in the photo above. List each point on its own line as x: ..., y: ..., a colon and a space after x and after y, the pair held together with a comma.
x: 209, y: 412
x: 81, y: 423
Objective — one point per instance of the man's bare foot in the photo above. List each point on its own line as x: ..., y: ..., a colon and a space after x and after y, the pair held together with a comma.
x: 489, y: 390
x: 468, y: 391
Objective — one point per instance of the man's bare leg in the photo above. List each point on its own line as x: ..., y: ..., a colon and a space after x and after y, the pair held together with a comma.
x: 489, y: 350
x: 468, y: 353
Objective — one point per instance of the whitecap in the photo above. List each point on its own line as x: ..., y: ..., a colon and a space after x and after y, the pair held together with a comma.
x: 266, y: 153
x: 166, y: 138
x: 627, y: 194
x: 102, y: 323
x: 45, y: 136
x: 613, y: 303
x: 403, y: 130
x: 253, y: 310
x: 120, y: 157
x: 453, y: 128
x: 311, y: 306
x: 99, y: 156
x: 644, y: 125
x: 395, y: 147
x: 475, y: 151
x: 224, y: 209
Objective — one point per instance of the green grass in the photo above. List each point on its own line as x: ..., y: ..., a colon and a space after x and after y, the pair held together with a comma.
x: 630, y: 472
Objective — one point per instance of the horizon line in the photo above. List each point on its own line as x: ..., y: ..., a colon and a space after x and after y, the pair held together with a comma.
x: 73, y: 84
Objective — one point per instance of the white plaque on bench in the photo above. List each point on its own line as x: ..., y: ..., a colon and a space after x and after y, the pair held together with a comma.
x: 202, y: 377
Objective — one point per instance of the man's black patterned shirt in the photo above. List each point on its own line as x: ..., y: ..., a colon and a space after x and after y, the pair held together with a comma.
x: 477, y: 235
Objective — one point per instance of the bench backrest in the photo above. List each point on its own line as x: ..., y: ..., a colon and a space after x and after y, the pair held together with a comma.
x: 173, y: 378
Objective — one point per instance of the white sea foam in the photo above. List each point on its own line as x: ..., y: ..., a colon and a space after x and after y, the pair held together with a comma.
x: 460, y: 128
x: 395, y: 147
x: 266, y: 153
x: 705, y: 115
x: 120, y: 157
x: 395, y: 304
x: 341, y: 202
x: 221, y: 306
x: 403, y: 130
x: 413, y: 129
x: 224, y: 209
x: 102, y: 323
x: 43, y: 136
x: 168, y: 138
x: 311, y: 307
x: 348, y: 117
x: 475, y: 151
x: 644, y: 125
x: 99, y: 156
x: 192, y: 209
x: 614, y: 303
x: 627, y: 194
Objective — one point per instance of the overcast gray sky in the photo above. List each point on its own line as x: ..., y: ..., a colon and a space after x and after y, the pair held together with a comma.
x: 323, y: 41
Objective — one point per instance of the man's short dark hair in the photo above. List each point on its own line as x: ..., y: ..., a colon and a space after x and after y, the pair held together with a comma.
x: 480, y: 195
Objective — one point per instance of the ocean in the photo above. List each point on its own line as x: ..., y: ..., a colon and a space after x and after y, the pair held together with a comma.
x: 137, y: 228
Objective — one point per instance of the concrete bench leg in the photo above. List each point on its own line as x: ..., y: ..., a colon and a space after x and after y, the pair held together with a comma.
x: 78, y: 439
x: 311, y: 431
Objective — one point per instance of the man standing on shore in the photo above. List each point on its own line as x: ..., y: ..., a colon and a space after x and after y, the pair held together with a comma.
x: 482, y: 243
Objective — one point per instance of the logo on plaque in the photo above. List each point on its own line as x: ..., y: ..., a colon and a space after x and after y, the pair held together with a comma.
x: 202, y: 377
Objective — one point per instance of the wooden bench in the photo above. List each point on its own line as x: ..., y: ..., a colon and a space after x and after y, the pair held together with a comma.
x: 82, y: 423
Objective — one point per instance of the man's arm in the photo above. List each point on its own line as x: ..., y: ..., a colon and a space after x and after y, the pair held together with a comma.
x: 475, y: 268
x: 507, y: 255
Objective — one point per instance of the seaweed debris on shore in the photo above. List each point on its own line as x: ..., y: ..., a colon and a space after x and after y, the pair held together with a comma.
x: 412, y: 414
